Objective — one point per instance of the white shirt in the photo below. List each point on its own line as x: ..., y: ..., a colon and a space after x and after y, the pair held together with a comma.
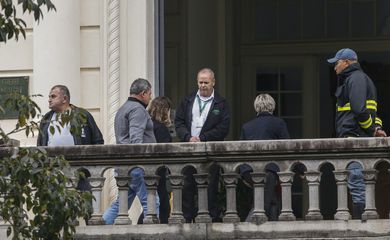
x: 200, y: 110
x: 59, y: 138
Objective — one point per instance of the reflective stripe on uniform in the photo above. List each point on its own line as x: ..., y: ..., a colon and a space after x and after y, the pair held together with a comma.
x: 370, y: 104
x: 346, y: 107
x: 366, y: 124
x: 378, y: 121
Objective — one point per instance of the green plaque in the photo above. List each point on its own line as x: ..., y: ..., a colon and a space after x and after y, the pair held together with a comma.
x: 9, y: 85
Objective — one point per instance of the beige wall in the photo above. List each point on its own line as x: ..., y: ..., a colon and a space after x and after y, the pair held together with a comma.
x: 89, y: 42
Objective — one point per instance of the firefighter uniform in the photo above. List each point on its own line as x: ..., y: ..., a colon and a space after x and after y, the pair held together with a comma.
x: 356, y: 105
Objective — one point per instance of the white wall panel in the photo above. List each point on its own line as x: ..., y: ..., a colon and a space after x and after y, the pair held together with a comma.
x: 90, y: 10
x: 90, y: 48
x: 90, y: 85
x: 17, y: 55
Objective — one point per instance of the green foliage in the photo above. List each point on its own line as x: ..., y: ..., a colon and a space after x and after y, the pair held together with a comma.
x: 11, y: 25
x: 32, y: 181
x: 27, y: 110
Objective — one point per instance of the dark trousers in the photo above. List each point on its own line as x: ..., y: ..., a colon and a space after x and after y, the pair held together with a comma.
x: 357, y: 210
x: 163, y: 193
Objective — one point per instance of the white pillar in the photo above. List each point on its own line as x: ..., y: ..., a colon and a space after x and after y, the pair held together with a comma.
x: 56, y: 51
x: 140, y: 43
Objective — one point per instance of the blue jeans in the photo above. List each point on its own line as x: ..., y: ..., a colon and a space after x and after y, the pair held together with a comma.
x: 137, y: 187
x: 356, y: 184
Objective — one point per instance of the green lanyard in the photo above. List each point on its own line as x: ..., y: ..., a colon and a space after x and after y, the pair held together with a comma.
x: 201, y: 108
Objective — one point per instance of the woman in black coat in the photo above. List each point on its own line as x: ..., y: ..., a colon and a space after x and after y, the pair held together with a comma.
x: 160, y: 111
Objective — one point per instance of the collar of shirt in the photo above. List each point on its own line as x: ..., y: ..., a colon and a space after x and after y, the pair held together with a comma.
x: 204, y: 99
x: 136, y: 100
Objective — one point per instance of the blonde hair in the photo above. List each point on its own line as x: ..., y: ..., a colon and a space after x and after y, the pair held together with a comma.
x: 264, y: 103
x: 159, y: 110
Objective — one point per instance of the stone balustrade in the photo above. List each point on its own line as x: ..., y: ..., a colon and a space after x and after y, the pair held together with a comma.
x: 313, y: 154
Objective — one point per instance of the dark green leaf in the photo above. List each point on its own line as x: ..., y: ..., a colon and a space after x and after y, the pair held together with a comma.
x: 52, y: 130
x: 10, y: 34
x: 8, y: 11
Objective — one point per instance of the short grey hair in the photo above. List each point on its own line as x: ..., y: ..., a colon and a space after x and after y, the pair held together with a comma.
x: 264, y: 103
x: 207, y: 70
x: 139, y: 85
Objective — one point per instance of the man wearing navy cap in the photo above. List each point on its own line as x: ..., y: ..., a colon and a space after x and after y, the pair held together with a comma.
x: 355, y: 115
x: 356, y: 98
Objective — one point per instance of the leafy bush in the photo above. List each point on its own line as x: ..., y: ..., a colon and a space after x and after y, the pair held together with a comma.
x: 31, y: 181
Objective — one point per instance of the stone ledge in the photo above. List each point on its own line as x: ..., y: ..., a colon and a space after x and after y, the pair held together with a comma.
x: 353, y: 229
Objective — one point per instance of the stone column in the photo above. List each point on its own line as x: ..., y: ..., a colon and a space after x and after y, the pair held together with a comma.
x: 56, y: 48
x: 151, y: 184
x: 370, y: 210
x: 286, y: 213
x: 123, y: 186
x: 258, y: 198
x: 113, y: 66
x: 342, y: 196
x: 230, y: 180
x: 176, y: 213
x: 97, y: 184
x: 313, y: 179
x: 203, y: 212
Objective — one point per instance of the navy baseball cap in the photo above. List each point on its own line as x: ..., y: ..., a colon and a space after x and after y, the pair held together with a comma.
x: 344, y: 54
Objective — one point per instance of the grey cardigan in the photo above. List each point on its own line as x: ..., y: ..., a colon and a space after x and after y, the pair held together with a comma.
x: 133, y: 123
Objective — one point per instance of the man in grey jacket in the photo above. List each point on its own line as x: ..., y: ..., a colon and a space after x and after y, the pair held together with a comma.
x: 134, y: 125
x: 132, y: 122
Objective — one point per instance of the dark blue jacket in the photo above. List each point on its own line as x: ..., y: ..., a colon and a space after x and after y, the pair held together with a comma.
x: 265, y: 126
x: 356, y: 104
x: 216, y: 126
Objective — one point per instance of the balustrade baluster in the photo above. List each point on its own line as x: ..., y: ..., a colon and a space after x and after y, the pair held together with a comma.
x: 286, y: 213
x: 370, y: 210
x: 203, y: 212
x: 231, y: 215
x: 123, y: 187
x: 342, y: 195
x: 313, y: 179
x: 258, y: 198
x: 151, y: 185
x: 96, y: 188
x: 176, y: 213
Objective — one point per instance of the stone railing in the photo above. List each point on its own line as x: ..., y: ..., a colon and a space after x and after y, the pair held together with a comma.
x: 313, y: 154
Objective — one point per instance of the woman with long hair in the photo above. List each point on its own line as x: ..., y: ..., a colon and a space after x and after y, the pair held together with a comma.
x: 160, y: 111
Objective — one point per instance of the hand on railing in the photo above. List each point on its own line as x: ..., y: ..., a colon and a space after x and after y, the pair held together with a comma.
x: 379, y: 132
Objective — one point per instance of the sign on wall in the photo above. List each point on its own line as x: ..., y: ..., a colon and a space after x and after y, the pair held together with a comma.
x: 8, y: 86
